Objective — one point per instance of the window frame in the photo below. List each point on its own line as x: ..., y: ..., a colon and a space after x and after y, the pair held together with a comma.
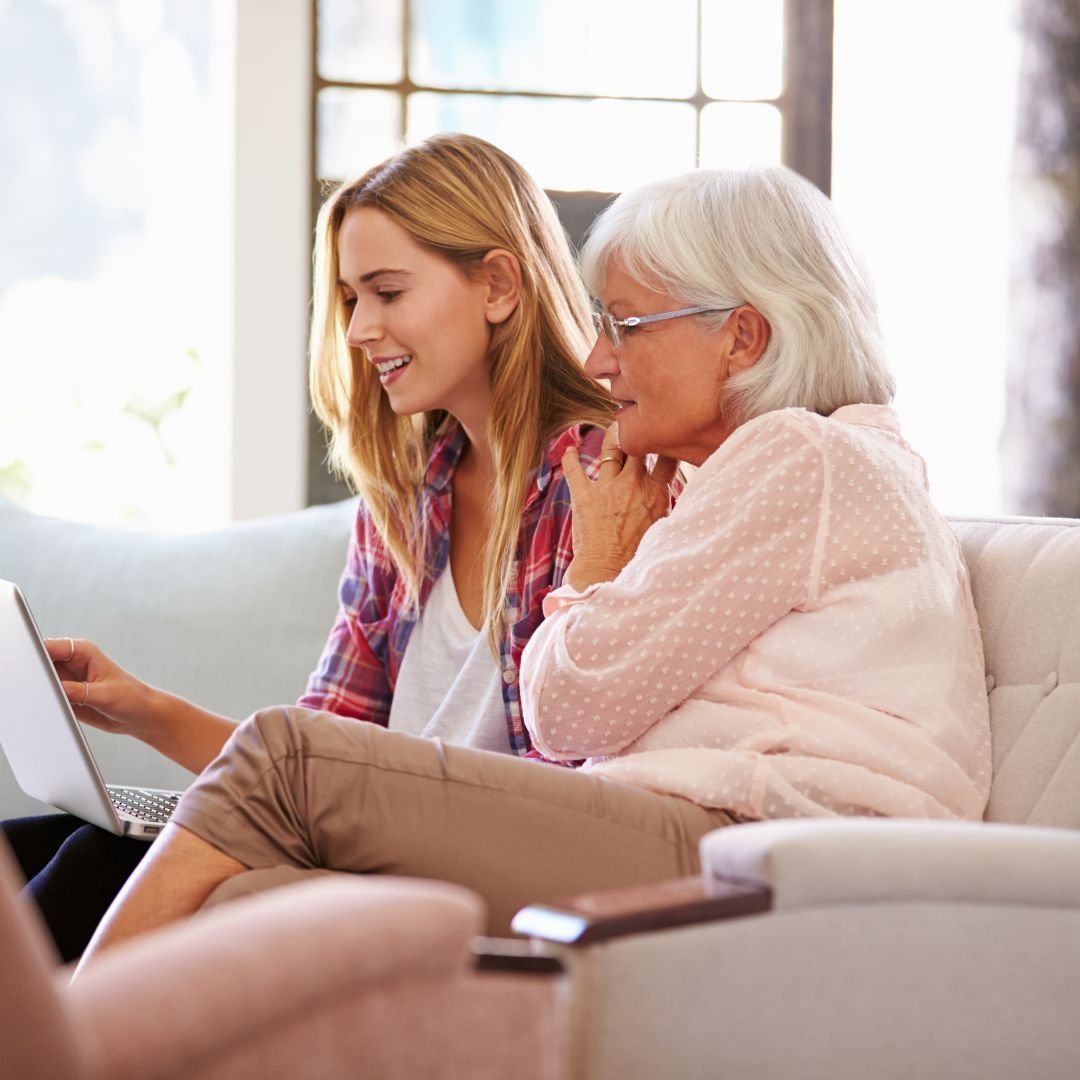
x: 804, y: 103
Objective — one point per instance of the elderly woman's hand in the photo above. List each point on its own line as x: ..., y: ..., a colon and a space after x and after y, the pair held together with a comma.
x: 613, y: 513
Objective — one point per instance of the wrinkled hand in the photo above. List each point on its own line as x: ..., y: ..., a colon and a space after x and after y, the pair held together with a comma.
x: 115, y: 700
x: 613, y: 513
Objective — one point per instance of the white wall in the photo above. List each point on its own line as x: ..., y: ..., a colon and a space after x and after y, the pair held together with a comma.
x: 270, y: 258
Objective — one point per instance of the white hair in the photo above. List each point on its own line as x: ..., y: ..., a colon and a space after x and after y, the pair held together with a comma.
x: 720, y: 238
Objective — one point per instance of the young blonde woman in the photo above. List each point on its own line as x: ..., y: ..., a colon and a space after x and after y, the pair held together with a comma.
x: 448, y: 333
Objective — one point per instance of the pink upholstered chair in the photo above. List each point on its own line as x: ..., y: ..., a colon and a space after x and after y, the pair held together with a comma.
x: 339, y: 977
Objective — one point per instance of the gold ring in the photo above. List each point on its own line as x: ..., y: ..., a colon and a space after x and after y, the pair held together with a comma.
x: 85, y: 695
x: 71, y: 655
x: 611, y: 457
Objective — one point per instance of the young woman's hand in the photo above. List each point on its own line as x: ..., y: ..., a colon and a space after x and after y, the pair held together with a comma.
x: 101, y: 692
x: 613, y: 513
x: 105, y: 696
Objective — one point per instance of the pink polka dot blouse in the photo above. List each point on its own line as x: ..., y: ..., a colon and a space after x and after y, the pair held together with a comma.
x: 797, y: 638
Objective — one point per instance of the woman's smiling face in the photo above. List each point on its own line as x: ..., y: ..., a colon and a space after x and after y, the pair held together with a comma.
x: 419, y: 319
x: 667, y: 376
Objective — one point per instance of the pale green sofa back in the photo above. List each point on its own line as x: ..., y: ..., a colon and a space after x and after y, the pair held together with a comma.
x: 233, y: 619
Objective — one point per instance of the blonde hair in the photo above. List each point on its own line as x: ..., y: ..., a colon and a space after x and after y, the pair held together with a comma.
x: 460, y: 197
x: 721, y: 238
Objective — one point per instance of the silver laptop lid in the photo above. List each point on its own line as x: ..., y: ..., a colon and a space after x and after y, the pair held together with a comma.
x: 43, y: 741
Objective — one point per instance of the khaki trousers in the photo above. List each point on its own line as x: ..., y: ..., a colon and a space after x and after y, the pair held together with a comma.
x: 295, y: 791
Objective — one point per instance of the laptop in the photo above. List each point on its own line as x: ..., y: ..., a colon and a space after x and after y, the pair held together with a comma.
x: 45, y: 744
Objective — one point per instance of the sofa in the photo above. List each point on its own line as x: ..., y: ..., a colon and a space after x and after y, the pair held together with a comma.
x: 870, y: 949
x: 233, y: 619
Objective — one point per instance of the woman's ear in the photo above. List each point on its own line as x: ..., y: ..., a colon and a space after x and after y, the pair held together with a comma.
x: 750, y: 333
x: 502, y: 276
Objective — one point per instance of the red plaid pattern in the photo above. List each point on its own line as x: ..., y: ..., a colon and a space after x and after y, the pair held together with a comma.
x: 360, y: 663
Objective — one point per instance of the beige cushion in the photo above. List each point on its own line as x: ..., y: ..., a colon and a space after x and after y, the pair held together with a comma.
x: 809, y: 863
x: 1025, y: 575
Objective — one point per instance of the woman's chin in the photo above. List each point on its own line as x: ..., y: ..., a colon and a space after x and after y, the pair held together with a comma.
x: 403, y: 406
x: 630, y: 438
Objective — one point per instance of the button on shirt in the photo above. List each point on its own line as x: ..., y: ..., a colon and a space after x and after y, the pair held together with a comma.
x: 358, y: 670
x: 797, y: 637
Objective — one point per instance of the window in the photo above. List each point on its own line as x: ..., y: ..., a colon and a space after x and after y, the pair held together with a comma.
x: 592, y: 96
x: 109, y: 301
x: 155, y: 269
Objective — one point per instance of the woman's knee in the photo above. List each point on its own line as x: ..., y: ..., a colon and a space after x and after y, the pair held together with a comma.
x: 91, y: 855
x: 275, y: 732
x: 36, y: 840
x: 292, y: 732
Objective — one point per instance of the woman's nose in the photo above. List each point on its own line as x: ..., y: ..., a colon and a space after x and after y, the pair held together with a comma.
x: 601, y: 362
x: 363, y: 328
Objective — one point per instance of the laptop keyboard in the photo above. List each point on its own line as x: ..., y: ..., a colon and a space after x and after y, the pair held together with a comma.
x: 154, y: 806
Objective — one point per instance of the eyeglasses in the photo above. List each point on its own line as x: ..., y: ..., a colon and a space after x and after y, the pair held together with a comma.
x: 606, y: 323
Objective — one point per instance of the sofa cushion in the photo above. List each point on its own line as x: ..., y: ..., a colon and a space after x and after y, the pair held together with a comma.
x: 1025, y: 576
x: 845, y: 861
x: 233, y: 619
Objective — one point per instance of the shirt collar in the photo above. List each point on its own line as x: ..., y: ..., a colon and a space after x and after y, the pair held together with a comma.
x: 444, y: 457
x: 449, y: 445
x: 552, y: 460
x: 879, y: 416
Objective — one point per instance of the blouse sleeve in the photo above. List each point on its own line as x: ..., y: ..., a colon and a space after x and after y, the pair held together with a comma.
x: 350, y: 679
x: 737, y: 553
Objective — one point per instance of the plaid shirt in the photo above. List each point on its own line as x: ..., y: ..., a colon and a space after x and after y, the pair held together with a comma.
x: 359, y: 666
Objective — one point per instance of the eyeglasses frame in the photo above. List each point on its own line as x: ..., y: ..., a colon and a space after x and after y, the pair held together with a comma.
x: 606, y: 323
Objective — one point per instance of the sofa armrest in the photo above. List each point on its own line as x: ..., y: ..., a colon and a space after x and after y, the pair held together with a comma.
x: 854, y: 860
x: 191, y: 991
x: 514, y: 956
x: 639, y: 909
x: 788, y: 864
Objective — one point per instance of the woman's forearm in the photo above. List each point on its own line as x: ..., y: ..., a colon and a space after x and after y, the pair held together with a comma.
x: 183, y: 732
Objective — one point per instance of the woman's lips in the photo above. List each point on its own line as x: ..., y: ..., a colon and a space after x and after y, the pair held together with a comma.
x: 392, y: 376
x: 388, y: 366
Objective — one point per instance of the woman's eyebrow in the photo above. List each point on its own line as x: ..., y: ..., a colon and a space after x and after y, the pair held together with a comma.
x: 364, y: 279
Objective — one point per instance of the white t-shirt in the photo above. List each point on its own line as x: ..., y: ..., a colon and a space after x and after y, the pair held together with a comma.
x: 449, y: 685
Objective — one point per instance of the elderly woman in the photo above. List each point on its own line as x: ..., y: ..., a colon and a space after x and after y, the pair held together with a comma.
x: 795, y: 637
